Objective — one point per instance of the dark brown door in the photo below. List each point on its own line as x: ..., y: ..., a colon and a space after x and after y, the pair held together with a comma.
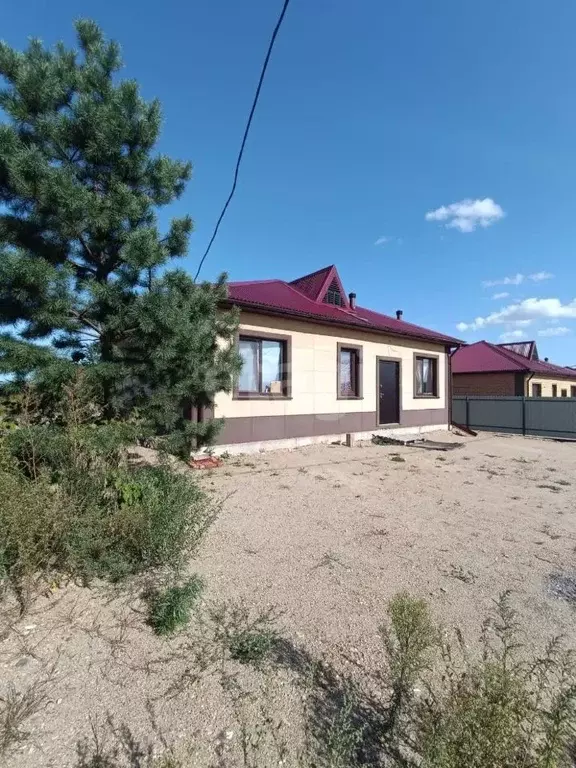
x: 388, y: 392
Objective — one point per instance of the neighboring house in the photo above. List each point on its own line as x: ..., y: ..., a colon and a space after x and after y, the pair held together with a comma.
x: 509, y: 369
x: 317, y: 367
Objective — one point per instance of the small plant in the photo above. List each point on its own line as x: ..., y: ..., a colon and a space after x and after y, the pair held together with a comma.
x: 457, y: 572
x: 247, y: 639
x: 170, y: 609
x: 343, y: 736
x: 397, y: 457
x: 408, y: 643
x: 15, y: 709
x: 251, y: 646
x: 330, y: 560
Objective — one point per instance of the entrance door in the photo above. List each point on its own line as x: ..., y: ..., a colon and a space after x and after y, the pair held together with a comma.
x: 388, y: 392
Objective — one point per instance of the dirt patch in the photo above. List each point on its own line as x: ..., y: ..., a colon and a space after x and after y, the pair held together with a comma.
x: 323, y: 536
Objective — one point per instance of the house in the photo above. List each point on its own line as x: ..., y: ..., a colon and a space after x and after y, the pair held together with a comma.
x: 509, y: 369
x: 317, y: 366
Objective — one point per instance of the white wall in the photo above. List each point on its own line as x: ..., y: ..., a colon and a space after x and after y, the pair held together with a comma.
x: 314, y: 361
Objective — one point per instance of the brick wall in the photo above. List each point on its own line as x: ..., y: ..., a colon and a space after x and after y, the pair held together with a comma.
x: 497, y: 384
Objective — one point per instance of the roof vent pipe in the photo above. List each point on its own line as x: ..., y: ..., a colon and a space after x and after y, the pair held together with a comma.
x: 398, y: 314
x: 352, y: 300
x: 545, y: 359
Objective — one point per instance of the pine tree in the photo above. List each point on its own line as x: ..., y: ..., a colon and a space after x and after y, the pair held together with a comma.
x: 83, y: 265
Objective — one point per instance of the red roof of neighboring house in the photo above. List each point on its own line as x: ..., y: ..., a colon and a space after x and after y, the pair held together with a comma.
x: 304, y: 298
x: 483, y: 357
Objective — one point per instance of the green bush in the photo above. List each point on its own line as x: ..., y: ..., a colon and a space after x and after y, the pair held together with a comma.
x: 71, y: 504
x: 498, y: 710
x: 170, y: 609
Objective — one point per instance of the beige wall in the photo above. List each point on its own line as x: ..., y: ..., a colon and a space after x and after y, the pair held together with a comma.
x: 314, y: 358
x: 547, y: 385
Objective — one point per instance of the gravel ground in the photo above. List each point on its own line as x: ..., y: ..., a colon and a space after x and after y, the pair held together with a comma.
x: 325, y: 535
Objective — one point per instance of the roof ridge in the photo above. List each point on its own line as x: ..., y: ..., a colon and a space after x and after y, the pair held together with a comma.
x: 253, y: 282
x: 311, y: 274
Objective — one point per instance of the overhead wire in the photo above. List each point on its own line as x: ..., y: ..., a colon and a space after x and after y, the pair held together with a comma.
x: 245, y: 136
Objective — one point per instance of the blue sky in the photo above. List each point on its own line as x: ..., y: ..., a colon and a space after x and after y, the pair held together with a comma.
x: 373, y: 115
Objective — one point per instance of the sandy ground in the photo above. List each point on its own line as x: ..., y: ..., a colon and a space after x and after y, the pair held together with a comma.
x: 325, y: 535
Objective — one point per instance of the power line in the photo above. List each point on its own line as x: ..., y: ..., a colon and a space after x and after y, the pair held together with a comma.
x: 246, y: 132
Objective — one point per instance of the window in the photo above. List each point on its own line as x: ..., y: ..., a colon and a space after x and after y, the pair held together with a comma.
x: 554, y: 390
x: 333, y: 295
x: 264, y: 367
x: 425, y: 376
x: 349, y: 372
x: 572, y: 391
x: 536, y: 390
x: 564, y: 393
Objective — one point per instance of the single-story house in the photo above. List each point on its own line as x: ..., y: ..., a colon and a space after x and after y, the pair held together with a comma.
x: 509, y: 369
x: 316, y: 367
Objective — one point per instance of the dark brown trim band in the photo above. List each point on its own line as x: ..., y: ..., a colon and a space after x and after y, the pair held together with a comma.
x: 251, y: 429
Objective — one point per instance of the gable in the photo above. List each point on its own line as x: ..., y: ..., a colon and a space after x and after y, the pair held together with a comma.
x: 525, y: 348
x: 323, y: 287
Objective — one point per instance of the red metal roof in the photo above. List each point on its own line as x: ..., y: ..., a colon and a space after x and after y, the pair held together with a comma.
x: 483, y: 357
x: 304, y: 296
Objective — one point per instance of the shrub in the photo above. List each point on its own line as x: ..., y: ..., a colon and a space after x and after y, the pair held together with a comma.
x: 500, y: 710
x: 71, y: 504
x: 170, y: 609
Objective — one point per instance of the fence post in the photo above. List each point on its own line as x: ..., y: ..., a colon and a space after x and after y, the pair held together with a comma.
x: 523, y: 416
x: 467, y: 412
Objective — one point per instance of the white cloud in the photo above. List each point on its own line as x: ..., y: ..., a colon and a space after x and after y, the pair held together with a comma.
x: 511, y: 335
x: 523, y: 313
x: 468, y: 214
x: 537, y: 277
x: 518, y: 279
x: 558, y: 330
x: 503, y: 295
x: 386, y: 239
x: 513, y: 280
